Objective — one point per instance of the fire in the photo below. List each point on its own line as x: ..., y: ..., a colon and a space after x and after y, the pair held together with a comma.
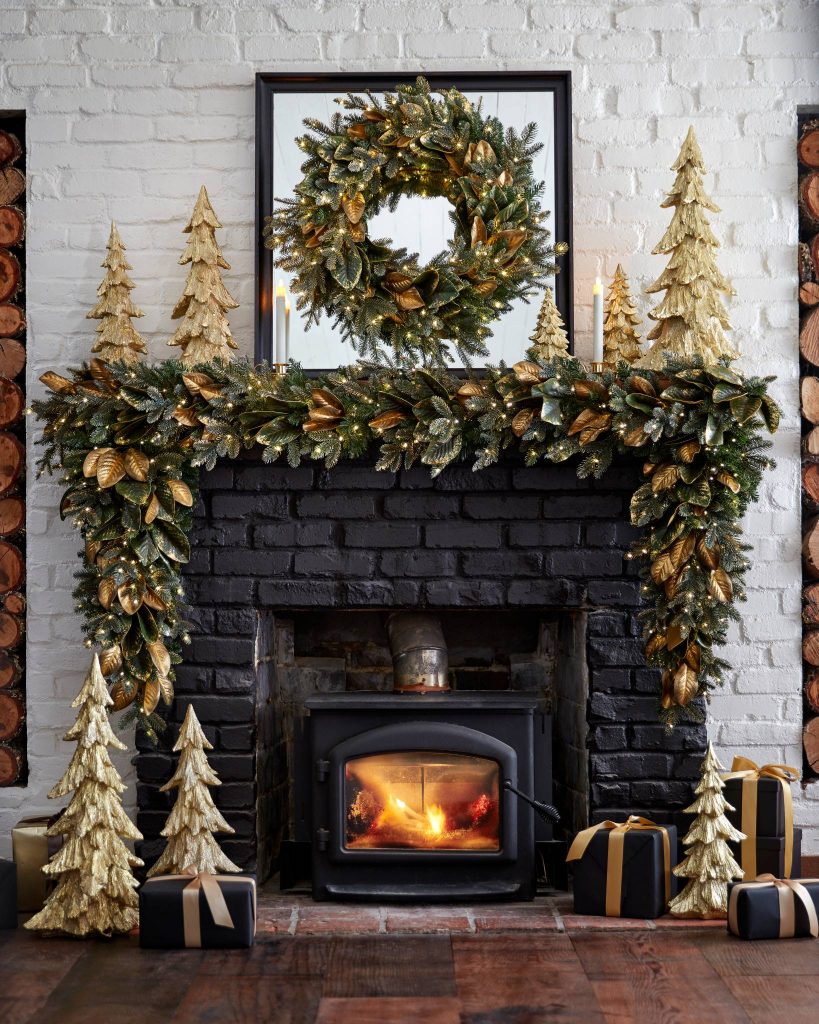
x: 398, y: 814
x: 436, y: 819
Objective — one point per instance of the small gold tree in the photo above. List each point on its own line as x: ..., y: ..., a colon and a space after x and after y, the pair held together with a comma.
x: 117, y: 338
x: 95, y: 892
x: 204, y: 334
x: 708, y: 865
x: 620, y: 339
x: 194, y: 816
x: 549, y: 340
x: 691, y: 318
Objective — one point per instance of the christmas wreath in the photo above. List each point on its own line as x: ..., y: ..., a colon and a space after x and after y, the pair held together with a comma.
x: 404, y: 143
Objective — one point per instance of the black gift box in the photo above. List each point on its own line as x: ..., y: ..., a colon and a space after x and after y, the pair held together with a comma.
x: 770, y: 806
x: 753, y: 910
x: 770, y: 855
x: 8, y: 894
x: 643, y: 885
x: 161, y: 918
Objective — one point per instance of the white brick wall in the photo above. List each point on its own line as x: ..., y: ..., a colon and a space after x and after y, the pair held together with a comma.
x: 132, y: 106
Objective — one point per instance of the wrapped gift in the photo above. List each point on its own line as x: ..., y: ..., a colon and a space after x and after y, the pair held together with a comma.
x: 8, y: 894
x: 623, y: 869
x: 774, y: 908
x: 770, y: 856
x: 32, y: 849
x: 194, y: 911
x: 763, y: 807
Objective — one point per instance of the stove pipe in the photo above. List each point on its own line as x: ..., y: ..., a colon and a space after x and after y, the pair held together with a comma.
x: 419, y: 653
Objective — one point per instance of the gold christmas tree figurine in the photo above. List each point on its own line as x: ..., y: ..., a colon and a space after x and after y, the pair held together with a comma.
x: 549, y: 340
x: 95, y: 892
x: 194, y: 816
x: 708, y: 864
x: 204, y: 334
x: 620, y: 339
x: 691, y: 318
x: 118, y: 339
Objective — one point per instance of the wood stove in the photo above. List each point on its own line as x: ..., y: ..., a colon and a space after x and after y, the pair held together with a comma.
x: 410, y: 799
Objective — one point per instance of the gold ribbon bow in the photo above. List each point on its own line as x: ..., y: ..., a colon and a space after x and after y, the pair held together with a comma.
x: 214, y: 897
x: 614, y: 866
x: 789, y: 890
x: 750, y: 773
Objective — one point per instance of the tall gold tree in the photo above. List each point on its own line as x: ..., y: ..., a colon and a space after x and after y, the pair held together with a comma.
x: 117, y: 338
x: 691, y: 318
x: 194, y: 817
x: 95, y: 891
x: 708, y: 865
x: 620, y: 339
x: 204, y: 334
x: 549, y: 340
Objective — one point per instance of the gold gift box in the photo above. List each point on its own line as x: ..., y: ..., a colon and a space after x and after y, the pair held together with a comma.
x: 32, y: 849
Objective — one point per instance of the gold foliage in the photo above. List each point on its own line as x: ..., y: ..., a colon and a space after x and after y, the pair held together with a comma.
x: 720, y: 586
x: 137, y: 465
x: 708, y: 556
x: 106, y: 592
x: 387, y: 420
x: 111, y: 660
x: 664, y: 477
x: 685, y: 684
x: 688, y: 451
x: 150, y: 696
x: 354, y: 207
x: 181, y: 492
x: 729, y: 481
x: 129, y: 597
x: 522, y: 421
x: 153, y: 510
x: 527, y: 372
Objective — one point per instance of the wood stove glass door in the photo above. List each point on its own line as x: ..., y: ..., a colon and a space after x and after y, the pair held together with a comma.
x: 421, y: 800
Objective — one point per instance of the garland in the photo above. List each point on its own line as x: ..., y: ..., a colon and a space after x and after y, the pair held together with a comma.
x: 127, y: 441
x: 412, y: 143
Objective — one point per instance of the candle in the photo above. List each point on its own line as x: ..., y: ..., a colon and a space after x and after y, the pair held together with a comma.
x: 281, y: 322
x: 287, y: 330
x: 597, y: 293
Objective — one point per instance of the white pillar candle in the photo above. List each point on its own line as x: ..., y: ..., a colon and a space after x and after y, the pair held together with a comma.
x: 287, y: 330
x: 281, y: 320
x: 597, y: 294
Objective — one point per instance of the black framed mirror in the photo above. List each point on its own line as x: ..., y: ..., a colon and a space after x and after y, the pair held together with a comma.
x: 516, y: 98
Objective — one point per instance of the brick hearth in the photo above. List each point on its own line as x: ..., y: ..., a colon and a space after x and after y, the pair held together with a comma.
x: 509, y: 537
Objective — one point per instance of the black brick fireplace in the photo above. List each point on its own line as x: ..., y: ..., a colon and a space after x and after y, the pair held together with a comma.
x: 535, y: 554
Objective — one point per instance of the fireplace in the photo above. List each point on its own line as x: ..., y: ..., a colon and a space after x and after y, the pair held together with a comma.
x: 410, y: 797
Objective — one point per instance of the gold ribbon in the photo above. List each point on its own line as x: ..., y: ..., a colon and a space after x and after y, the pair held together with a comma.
x: 207, y: 883
x: 616, y: 844
x: 789, y: 891
x: 750, y: 773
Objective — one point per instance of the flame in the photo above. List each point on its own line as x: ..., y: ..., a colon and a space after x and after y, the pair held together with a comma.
x: 436, y: 819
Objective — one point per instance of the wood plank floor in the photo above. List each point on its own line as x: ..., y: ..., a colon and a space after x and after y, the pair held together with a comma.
x: 591, y: 977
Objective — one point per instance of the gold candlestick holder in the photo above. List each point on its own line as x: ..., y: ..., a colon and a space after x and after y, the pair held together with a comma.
x: 280, y: 368
x: 596, y: 367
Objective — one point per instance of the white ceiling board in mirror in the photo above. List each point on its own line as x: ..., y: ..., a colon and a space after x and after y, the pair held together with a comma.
x: 420, y: 225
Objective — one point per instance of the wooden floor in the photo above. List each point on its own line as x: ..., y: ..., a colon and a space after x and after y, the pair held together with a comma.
x: 697, y: 975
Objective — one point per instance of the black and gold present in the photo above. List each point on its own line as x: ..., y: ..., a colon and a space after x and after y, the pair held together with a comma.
x: 762, y: 805
x: 774, y: 908
x: 770, y: 856
x: 623, y: 869
x: 197, y: 911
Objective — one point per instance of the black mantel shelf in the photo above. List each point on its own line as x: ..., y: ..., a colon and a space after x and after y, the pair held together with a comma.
x: 466, y: 700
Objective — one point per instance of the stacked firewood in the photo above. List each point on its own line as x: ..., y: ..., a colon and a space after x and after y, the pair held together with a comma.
x: 12, y: 449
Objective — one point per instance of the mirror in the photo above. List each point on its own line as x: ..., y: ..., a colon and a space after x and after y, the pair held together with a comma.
x: 421, y: 225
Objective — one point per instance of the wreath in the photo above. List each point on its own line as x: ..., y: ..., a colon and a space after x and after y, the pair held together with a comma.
x: 381, y: 297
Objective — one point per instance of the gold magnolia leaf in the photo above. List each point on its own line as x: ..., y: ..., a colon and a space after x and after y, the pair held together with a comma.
x: 166, y: 689
x: 674, y: 637
x: 664, y: 477
x: 479, y: 232
x: 129, y: 597
x: 522, y: 421
x: 210, y: 392
x: 186, y: 415
x: 371, y: 114
x: 358, y: 233
x: 323, y: 399
x: 720, y: 586
x: 150, y: 696
x: 106, y: 592
x: 527, y: 372
x: 181, y: 492
x: 153, y: 600
x: 110, y: 468
x: 111, y: 660
x: 708, y: 556
x: 123, y: 693
x: 357, y: 131
x: 667, y: 699
x: 410, y: 298
x: 688, y: 451
x: 590, y: 419
x: 353, y: 207
x: 635, y: 438
x: 471, y: 389
x: 137, y: 465
x: 387, y: 420
x: 327, y: 417
x: 588, y: 389
x: 662, y: 568
x: 591, y: 434
x: 682, y: 549
x: 685, y: 684
x: 101, y: 371
x: 730, y: 482
x: 92, y: 549
x: 648, y: 468
x: 152, y: 511
x: 60, y: 385
x: 655, y: 644
x: 195, y: 381
x: 160, y: 657
x: 89, y: 465
x: 504, y: 178
x: 396, y: 282
x: 512, y: 238
x: 484, y: 288
x: 693, y: 656
x: 645, y: 387
x: 309, y: 426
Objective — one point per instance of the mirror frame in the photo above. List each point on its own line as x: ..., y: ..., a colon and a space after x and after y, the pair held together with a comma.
x: 269, y: 84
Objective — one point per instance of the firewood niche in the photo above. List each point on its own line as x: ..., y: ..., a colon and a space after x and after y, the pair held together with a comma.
x: 13, y: 769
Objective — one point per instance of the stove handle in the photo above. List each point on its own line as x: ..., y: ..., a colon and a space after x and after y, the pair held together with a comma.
x: 546, y: 811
